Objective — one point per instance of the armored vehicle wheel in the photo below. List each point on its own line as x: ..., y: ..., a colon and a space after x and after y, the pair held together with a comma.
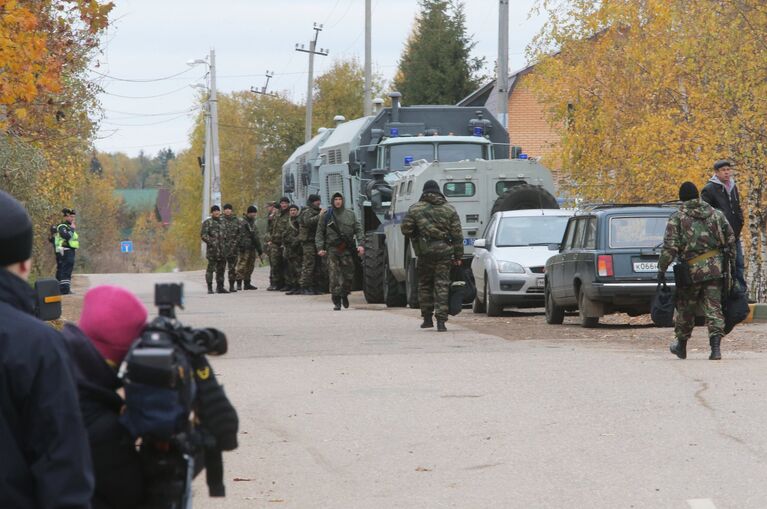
x: 555, y: 315
x: 373, y: 269
x: 394, y: 293
x: 411, y: 284
x: 525, y: 196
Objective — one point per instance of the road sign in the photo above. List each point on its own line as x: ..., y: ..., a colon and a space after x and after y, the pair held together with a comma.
x: 126, y: 246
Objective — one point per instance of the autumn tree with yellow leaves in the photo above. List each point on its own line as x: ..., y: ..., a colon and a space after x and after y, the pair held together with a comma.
x: 646, y: 94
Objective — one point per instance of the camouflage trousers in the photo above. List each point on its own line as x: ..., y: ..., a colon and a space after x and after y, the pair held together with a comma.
x: 231, y: 264
x: 245, y: 264
x: 293, y: 259
x: 217, y: 265
x: 706, y: 295
x: 310, y: 267
x: 340, y: 273
x: 434, y: 286
x: 276, y: 266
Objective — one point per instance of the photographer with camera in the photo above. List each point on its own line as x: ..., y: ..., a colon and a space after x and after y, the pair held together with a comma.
x: 44, y: 449
x: 111, y: 320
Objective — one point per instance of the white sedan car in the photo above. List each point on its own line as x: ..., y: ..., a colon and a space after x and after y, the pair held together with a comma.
x: 509, y: 260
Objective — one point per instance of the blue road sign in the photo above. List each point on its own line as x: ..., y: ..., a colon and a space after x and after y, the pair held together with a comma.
x: 126, y: 246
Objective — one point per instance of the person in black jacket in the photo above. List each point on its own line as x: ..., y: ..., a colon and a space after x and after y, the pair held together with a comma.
x: 45, y: 460
x: 721, y: 193
x: 111, y: 319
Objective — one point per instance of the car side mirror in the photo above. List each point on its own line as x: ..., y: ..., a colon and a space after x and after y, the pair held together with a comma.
x: 554, y: 247
x: 480, y: 243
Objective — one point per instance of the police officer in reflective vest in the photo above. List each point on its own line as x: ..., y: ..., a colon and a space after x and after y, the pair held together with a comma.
x: 66, y: 242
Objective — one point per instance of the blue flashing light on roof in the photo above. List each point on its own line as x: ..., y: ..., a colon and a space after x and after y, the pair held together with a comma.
x: 393, y: 132
x: 479, y: 131
x: 408, y: 160
x: 523, y: 156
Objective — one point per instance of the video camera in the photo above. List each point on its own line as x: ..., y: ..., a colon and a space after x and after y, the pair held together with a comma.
x: 175, y: 405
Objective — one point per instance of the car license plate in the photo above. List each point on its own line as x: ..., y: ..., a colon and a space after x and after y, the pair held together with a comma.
x: 540, y: 283
x: 649, y: 267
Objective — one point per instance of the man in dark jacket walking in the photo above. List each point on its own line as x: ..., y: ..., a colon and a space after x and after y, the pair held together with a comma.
x: 721, y: 193
x: 45, y: 455
x: 434, y: 228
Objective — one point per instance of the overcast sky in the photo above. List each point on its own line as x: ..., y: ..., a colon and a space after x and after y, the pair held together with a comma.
x: 152, y: 39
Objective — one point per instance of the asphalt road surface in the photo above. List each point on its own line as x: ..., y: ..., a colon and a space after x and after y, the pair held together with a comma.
x: 362, y: 409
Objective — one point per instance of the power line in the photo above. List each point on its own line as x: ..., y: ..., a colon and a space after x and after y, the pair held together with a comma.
x: 150, y: 96
x: 106, y: 122
x: 165, y: 114
x: 137, y: 80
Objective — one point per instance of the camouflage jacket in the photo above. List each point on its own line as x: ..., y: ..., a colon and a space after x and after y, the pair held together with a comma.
x: 212, y: 233
x: 279, y: 227
x: 326, y: 238
x: 231, y: 234
x: 695, y: 229
x: 269, y: 224
x: 249, y: 239
x: 308, y: 224
x: 290, y: 236
x: 433, y: 220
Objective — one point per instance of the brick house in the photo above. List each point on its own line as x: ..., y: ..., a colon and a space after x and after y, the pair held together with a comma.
x: 526, y: 123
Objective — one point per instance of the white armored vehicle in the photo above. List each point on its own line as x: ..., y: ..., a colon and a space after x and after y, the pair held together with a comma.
x: 370, y: 158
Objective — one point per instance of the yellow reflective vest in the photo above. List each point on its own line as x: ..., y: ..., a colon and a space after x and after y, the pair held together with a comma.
x: 58, y: 241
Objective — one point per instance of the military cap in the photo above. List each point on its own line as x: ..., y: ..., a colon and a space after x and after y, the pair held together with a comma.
x: 215, y: 208
x: 252, y: 209
x: 228, y: 206
x: 285, y: 199
x: 294, y: 206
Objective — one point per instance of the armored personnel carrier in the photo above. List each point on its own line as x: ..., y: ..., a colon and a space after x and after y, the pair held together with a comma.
x: 370, y: 158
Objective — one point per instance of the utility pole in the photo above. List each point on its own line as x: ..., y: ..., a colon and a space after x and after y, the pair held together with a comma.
x: 206, y: 171
x: 215, y: 157
x: 502, y: 79
x: 262, y: 91
x: 312, y: 51
x: 367, y: 106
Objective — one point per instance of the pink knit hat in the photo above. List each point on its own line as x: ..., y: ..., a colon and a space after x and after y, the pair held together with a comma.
x: 112, y: 318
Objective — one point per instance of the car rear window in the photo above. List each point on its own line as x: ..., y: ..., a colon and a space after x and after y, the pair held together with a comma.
x: 637, y: 231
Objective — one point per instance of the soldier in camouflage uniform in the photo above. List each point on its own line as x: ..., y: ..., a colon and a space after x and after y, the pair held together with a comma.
x: 337, y: 230
x: 306, y: 234
x: 434, y: 229
x: 293, y: 254
x: 212, y: 233
x: 271, y: 214
x: 250, y: 248
x: 699, y: 236
x: 276, y: 254
x: 231, y: 243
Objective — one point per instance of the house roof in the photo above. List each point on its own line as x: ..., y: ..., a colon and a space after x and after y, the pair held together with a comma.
x: 138, y: 200
x: 481, y: 96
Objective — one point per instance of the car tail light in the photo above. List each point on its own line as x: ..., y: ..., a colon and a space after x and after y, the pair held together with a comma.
x: 605, y: 265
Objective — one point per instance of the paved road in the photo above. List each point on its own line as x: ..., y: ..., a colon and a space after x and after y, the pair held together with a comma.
x: 362, y: 409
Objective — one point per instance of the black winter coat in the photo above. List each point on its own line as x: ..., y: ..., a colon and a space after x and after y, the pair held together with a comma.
x: 119, y: 478
x: 715, y: 195
x: 44, y: 456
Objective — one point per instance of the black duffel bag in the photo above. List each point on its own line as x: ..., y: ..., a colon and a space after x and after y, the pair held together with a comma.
x: 734, y: 307
x: 462, y: 289
x: 662, y: 308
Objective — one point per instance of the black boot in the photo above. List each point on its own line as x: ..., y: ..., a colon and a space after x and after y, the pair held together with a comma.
x: 239, y: 285
x: 715, y: 342
x: 679, y: 348
x: 220, y: 288
x: 210, y: 288
x: 441, y: 325
x: 232, y: 289
x: 345, y: 300
x: 307, y: 291
x: 336, y: 303
x: 428, y: 323
x: 249, y: 286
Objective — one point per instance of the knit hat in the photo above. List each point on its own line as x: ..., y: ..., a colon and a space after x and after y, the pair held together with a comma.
x: 431, y: 186
x: 252, y: 209
x: 313, y: 198
x: 15, y: 231
x: 294, y: 206
x: 215, y: 208
x: 722, y: 163
x: 113, y: 318
x: 285, y: 199
x: 228, y: 206
x: 688, y: 191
